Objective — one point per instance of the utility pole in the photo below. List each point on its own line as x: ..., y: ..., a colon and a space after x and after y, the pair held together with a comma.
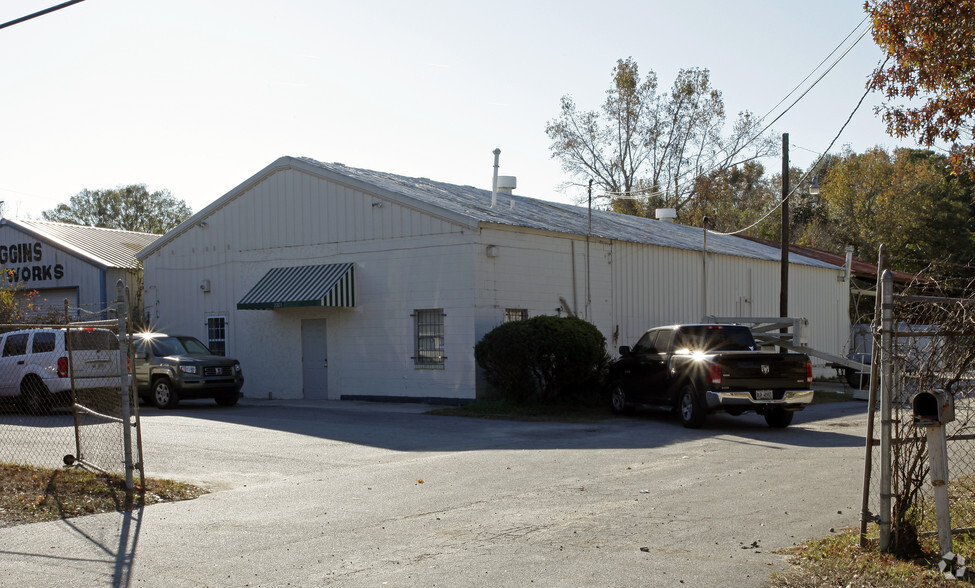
x: 784, y: 287
x: 784, y: 292
x: 588, y: 235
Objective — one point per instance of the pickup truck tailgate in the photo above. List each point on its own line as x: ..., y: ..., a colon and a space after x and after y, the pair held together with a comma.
x: 750, y: 371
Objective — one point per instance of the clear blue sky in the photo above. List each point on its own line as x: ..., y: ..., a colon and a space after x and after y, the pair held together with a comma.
x: 197, y: 95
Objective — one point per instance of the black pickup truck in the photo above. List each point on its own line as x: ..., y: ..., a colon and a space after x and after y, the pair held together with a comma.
x: 699, y: 369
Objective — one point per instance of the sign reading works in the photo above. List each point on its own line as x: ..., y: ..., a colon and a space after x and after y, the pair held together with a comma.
x: 24, y: 262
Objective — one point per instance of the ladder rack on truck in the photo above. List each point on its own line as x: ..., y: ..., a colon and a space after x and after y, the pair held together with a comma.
x: 767, y: 331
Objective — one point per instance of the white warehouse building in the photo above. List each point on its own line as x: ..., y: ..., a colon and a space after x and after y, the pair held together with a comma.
x: 328, y: 281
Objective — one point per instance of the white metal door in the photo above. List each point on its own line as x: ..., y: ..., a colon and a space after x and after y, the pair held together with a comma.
x: 314, y: 359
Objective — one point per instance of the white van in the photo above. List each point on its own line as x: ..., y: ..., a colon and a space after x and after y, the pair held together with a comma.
x: 34, y: 365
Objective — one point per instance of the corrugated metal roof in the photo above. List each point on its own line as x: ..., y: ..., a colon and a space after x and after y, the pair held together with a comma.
x: 304, y: 285
x: 521, y: 211
x: 474, y: 205
x: 860, y: 269
x: 106, y: 247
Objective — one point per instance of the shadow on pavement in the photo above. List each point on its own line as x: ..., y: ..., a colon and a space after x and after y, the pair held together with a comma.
x: 827, y: 425
x: 115, y: 549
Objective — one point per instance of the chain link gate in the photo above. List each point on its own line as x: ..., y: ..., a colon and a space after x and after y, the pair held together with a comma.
x: 65, y: 394
x: 921, y: 344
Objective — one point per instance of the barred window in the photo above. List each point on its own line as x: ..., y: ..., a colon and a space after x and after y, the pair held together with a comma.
x: 429, y: 329
x: 515, y: 314
x: 217, y: 334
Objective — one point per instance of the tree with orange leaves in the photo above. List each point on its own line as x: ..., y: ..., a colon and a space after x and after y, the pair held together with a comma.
x: 929, y: 75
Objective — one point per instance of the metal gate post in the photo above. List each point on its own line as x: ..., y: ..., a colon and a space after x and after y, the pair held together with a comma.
x: 123, y: 346
x: 865, y: 515
x: 140, y: 463
x: 938, y: 460
x: 886, y: 384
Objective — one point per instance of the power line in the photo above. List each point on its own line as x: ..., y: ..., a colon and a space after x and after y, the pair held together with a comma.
x: 819, y: 79
x: 647, y: 193
x: 40, y: 13
x: 811, y: 168
x: 815, y: 69
x: 803, y: 95
x: 794, y: 146
x: 18, y: 192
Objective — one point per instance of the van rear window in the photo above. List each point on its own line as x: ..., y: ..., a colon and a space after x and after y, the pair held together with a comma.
x: 92, y: 340
x: 43, y: 342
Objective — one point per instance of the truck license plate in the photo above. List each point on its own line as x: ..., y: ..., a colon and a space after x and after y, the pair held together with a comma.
x: 763, y: 395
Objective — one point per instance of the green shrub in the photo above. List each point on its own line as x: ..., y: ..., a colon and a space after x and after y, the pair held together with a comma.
x: 544, y: 359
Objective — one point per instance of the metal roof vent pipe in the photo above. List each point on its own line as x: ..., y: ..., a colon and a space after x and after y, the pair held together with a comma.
x: 507, y: 184
x: 666, y: 215
x: 494, y: 185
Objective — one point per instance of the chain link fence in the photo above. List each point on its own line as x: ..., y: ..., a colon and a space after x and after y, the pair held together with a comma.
x: 930, y: 347
x: 64, y: 398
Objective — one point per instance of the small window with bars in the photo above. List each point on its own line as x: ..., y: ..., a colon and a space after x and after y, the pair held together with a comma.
x: 429, y: 340
x: 515, y: 314
x: 217, y: 334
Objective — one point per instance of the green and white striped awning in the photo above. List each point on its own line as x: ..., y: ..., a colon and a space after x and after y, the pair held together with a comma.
x: 305, y: 285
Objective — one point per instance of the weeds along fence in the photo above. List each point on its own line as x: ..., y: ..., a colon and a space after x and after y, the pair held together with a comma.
x: 64, y: 394
x: 930, y: 346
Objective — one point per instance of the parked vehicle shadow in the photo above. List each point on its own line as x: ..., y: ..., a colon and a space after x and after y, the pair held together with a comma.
x: 385, y: 427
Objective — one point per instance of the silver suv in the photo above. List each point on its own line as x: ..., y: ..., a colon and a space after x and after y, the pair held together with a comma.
x: 170, y: 367
x: 34, y: 367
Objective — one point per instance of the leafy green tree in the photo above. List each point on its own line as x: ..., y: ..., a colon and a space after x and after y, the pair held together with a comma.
x: 648, y: 146
x: 739, y: 197
x: 732, y: 198
x: 807, y: 207
x: 909, y: 200
x: 130, y: 208
x: 927, y: 78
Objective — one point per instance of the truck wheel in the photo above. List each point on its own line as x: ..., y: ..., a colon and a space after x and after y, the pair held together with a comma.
x: 163, y: 394
x: 34, y: 397
x: 779, y: 417
x: 618, y: 398
x: 689, y: 409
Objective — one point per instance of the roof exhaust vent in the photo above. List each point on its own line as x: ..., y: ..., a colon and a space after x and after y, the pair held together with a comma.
x: 504, y: 184
x: 666, y: 215
x: 507, y: 183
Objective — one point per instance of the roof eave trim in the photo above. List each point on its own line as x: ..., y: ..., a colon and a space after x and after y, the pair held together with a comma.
x: 280, y: 163
x: 67, y: 247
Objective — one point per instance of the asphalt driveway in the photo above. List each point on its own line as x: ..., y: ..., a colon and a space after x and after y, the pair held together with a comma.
x: 359, y: 494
